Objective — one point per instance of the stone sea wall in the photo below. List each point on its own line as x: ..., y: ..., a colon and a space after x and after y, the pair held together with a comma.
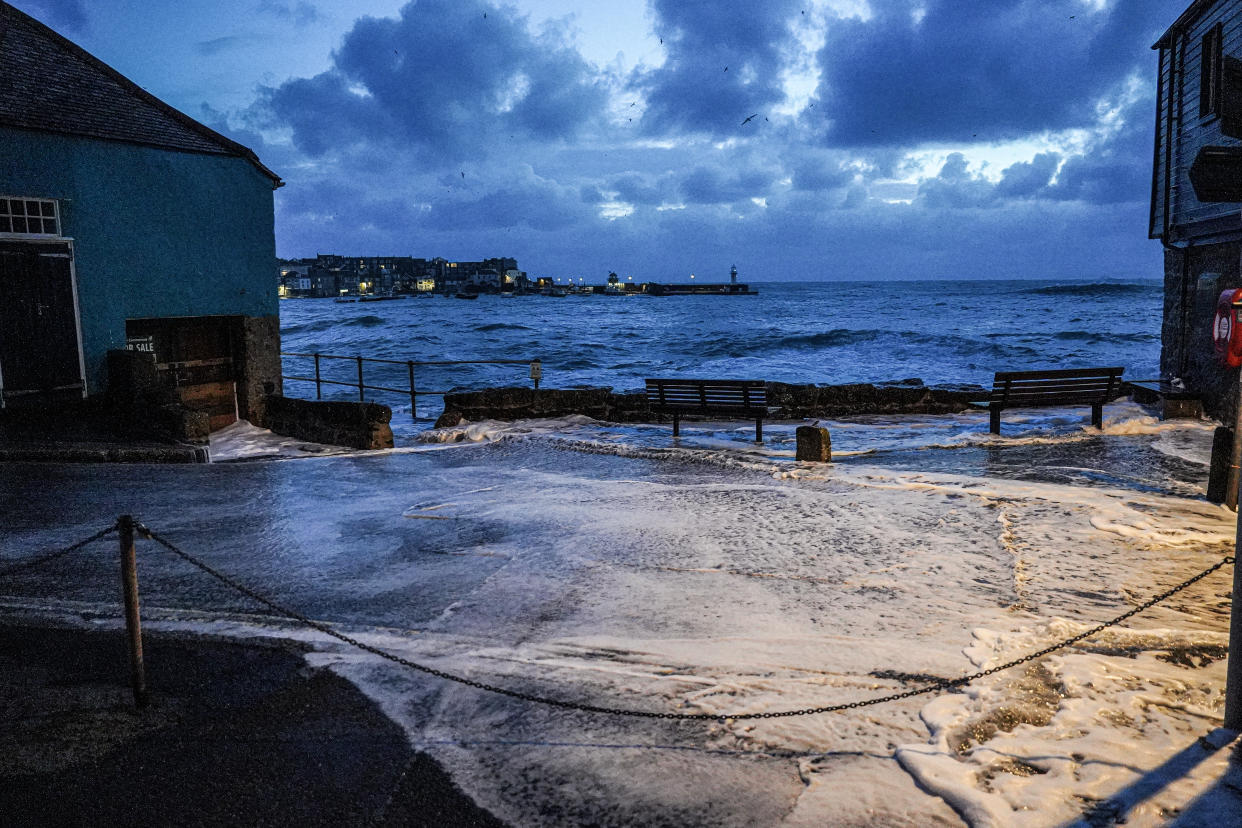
x: 1193, y: 279
x: 790, y: 402
x: 357, y: 425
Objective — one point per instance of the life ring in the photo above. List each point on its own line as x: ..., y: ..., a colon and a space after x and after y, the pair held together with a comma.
x: 1226, y: 329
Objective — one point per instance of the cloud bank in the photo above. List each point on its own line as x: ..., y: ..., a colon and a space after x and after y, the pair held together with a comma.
x: 895, y: 139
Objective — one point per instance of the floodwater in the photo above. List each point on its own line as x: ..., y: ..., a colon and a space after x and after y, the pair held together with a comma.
x: 610, y: 565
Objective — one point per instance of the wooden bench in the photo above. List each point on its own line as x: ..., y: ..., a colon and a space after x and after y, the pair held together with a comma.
x: 742, y: 399
x: 1036, y: 389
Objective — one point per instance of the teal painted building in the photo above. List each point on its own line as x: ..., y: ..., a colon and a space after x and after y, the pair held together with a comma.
x: 126, y: 224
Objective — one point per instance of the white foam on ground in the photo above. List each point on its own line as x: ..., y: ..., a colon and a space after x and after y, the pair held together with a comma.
x: 749, y: 584
x: 243, y: 441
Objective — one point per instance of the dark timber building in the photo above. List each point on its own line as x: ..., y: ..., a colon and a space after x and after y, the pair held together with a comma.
x: 1196, y: 200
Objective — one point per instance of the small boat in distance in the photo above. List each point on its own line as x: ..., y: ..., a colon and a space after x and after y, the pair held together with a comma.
x: 465, y: 295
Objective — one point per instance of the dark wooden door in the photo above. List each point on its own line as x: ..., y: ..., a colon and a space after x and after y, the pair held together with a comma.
x: 39, y: 351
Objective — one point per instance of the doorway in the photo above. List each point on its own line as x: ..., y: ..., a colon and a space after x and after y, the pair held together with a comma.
x: 40, y: 345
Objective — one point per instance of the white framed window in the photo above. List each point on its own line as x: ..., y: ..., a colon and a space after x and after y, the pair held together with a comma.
x: 29, y: 216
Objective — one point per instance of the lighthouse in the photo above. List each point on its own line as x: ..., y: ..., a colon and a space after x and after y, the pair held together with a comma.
x: 733, y: 275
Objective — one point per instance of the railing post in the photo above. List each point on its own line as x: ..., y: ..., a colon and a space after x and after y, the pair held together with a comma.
x: 361, y: 395
x: 133, y: 624
x: 318, y: 394
x: 536, y: 372
x: 413, y: 402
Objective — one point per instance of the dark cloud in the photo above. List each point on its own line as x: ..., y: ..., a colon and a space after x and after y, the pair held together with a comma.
x: 724, y: 63
x: 451, y: 78
x: 636, y: 188
x: 1027, y: 178
x: 817, y: 174
x: 964, y: 72
x: 711, y: 185
x: 955, y: 186
x: 1116, y: 169
x: 62, y: 15
x: 591, y: 194
x: 1113, y: 169
x: 301, y: 13
x: 538, y: 205
x: 210, y: 48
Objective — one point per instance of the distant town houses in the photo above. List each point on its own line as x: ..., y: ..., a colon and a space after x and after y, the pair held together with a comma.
x: 329, y: 275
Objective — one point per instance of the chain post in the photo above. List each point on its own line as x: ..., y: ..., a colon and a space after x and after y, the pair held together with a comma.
x: 361, y: 393
x: 133, y: 624
x: 318, y: 392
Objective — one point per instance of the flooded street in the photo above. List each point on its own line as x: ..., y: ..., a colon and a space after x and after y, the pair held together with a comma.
x: 608, y: 566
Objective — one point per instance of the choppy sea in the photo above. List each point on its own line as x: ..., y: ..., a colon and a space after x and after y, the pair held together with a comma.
x: 942, y: 332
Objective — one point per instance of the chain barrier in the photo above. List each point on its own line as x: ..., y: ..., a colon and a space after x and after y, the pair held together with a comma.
x: 945, y: 684
x: 51, y: 556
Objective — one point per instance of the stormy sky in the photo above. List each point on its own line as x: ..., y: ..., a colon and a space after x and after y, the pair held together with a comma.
x: 797, y: 139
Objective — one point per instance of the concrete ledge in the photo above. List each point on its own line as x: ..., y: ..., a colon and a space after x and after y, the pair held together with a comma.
x: 354, y: 424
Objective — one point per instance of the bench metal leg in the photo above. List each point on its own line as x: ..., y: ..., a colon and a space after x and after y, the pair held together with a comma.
x: 1097, y: 415
x: 676, y: 425
x: 994, y: 419
x: 758, y: 431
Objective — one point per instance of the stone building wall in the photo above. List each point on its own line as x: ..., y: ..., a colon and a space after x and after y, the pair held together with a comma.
x: 1193, y: 279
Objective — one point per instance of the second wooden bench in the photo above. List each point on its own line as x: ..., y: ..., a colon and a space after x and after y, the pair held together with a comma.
x: 744, y: 399
x: 1032, y: 389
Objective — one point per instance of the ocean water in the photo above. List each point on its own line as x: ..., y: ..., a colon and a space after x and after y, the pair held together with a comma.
x: 942, y: 332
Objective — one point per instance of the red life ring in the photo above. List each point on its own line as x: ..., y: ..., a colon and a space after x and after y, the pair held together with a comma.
x: 1226, y: 330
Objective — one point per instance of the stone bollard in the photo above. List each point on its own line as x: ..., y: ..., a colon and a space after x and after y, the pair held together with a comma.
x: 814, y: 444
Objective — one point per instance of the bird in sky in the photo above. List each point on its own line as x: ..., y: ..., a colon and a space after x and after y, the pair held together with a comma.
x: 750, y: 118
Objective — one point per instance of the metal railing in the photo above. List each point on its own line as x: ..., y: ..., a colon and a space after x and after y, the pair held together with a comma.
x: 412, y: 391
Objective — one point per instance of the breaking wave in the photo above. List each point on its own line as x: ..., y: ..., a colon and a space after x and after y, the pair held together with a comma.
x: 1106, y: 336
x: 844, y: 337
x: 501, y: 326
x: 1094, y: 289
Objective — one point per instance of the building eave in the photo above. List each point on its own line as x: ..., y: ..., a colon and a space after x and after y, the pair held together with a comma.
x: 1187, y: 17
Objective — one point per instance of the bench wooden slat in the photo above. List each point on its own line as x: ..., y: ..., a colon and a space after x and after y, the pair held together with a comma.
x: 1046, y: 400
x: 1068, y: 373
x: 1086, y: 382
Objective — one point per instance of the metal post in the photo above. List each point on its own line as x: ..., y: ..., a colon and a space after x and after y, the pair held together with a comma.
x: 1235, y: 457
x: 1233, y: 672
x: 318, y: 394
x: 133, y: 625
x: 413, y: 400
x: 361, y: 395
